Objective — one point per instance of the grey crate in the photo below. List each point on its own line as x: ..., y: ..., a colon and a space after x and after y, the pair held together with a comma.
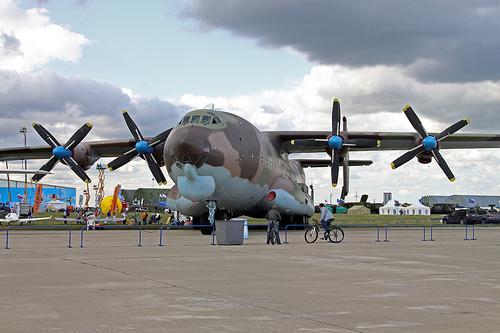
x: 229, y: 232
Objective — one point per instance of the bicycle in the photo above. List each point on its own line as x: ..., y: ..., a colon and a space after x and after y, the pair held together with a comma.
x: 334, y: 234
x: 272, y: 233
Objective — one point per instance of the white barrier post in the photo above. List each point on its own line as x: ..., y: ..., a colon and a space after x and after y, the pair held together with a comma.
x: 245, y: 230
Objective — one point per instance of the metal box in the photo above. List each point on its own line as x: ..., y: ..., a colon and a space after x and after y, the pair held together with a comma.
x: 229, y: 232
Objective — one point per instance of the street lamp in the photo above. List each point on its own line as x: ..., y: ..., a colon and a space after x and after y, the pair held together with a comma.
x: 23, y: 130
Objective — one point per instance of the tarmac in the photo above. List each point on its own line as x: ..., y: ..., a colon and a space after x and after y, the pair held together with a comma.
x: 189, y: 285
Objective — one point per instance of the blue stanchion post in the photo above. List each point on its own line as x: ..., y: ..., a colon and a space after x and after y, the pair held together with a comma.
x: 161, y: 236
x: 378, y: 235
x: 81, y: 237
x: 140, y: 238
x: 69, y: 239
x: 473, y: 233
x: 466, y: 232
x: 7, y: 239
x: 286, y: 235
x: 430, y: 230
x: 386, y: 234
x: 424, y: 239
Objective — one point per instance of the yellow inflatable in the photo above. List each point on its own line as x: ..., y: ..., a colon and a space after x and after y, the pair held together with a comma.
x: 106, y: 205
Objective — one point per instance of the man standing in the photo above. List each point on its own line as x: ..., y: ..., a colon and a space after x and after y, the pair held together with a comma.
x: 326, y: 219
x: 273, y: 224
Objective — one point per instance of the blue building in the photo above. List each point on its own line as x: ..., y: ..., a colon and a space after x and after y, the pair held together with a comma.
x: 49, y: 192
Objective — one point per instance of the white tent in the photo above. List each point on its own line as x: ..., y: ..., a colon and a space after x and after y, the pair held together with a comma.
x: 390, y: 208
x: 417, y: 209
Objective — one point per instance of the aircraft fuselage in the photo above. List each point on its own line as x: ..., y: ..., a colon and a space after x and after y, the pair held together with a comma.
x: 218, y: 156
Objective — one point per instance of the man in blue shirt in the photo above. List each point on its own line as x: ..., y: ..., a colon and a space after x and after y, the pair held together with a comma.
x: 325, y: 219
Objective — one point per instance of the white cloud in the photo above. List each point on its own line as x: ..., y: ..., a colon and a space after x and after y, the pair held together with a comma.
x: 39, y: 39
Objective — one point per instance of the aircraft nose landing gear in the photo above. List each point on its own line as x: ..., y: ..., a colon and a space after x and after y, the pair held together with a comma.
x: 212, y: 207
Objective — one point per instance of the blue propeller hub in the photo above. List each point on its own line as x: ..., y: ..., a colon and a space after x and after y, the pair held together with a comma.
x: 143, y: 147
x: 430, y: 143
x: 60, y: 152
x: 335, y: 142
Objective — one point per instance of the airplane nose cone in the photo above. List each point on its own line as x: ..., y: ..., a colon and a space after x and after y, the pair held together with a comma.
x: 191, y: 151
x: 193, y: 146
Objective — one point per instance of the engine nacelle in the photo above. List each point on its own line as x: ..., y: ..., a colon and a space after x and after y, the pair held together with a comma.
x: 425, y: 158
x: 84, y: 156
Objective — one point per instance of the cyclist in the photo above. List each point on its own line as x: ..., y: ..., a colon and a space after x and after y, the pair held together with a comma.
x: 325, y: 220
x: 273, y: 225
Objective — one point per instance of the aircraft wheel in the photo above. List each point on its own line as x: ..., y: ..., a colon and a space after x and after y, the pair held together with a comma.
x: 203, y: 220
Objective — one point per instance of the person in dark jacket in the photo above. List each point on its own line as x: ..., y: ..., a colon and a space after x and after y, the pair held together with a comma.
x: 273, y: 224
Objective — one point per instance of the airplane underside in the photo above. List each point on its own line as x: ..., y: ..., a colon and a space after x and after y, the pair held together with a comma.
x: 233, y: 195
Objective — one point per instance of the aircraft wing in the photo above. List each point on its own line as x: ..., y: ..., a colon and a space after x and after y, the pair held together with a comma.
x: 108, y: 220
x: 317, y: 163
x: 105, y: 148
x: 35, y: 219
x: 388, y: 140
x: 67, y: 219
x: 24, y: 172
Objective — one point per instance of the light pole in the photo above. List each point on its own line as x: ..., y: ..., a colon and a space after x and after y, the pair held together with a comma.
x: 153, y: 182
x: 23, y: 130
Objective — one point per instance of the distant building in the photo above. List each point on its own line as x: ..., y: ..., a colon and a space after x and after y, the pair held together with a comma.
x: 387, y: 197
x: 461, y: 200
x: 49, y: 192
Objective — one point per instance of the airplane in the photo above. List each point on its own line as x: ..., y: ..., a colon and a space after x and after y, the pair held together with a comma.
x: 90, y: 220
x: 12, y: 217
x: 223, y: 166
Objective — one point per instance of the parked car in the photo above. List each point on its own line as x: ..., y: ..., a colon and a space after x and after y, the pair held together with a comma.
x: 471, y: 216
x: 492, y: 217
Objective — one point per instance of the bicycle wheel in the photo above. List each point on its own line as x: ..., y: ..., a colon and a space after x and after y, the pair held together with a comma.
x: 311, y: 235
x: 273, y: 238
x: 336, y: 235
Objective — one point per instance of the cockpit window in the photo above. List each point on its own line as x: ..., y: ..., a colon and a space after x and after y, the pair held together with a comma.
x: 205, y: 120
x: 195, y: 119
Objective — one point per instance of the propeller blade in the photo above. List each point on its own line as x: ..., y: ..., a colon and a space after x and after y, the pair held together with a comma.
x: 122, y: 160
x: 46, y: 136
x: 415, y: 121
x: 345, y: 169
x: 335, y: 168
x: 407, y: 156
x: 132, y: 127
x: 452, y: 129
x: 155, y: 169
x: 78, y: 136
x: 77, y: 169
x: 444, y: 166
x: 336, y: 117
x: 309, y: 142
x: 362, y: 143
x: 48, y: 166
x: 160, y: 138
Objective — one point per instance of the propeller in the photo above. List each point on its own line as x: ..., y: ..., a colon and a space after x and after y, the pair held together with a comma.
x: 339, y: 144
x: 62, y: 153
x: 143, y: 148
x: 430, y: 143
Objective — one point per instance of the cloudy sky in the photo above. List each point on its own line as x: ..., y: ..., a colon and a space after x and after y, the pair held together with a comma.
x: 277, y: 63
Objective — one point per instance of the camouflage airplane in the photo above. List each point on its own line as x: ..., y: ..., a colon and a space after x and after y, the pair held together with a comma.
x: 219, y: 160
